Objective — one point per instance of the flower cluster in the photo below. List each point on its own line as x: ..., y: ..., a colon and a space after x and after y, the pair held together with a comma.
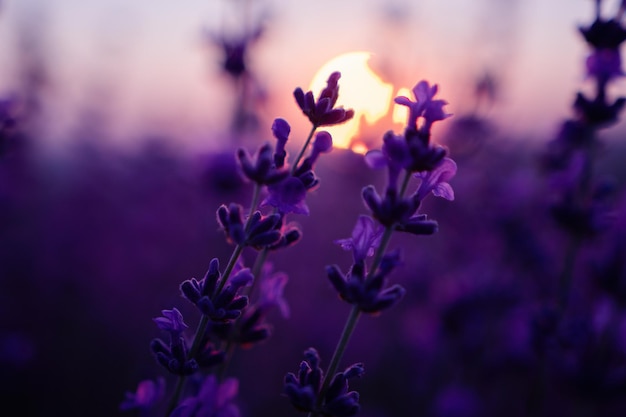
x: 223, y: 297
x: 365, y: 288
x: 581, y: 202
x: 303, y: 389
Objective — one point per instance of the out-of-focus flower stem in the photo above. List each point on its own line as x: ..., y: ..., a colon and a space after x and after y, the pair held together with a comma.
x: 567, y: 274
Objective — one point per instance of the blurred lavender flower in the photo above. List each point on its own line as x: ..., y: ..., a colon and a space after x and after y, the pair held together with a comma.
x: 303, y: 389
x: 173, y: 356
x: 214, y: 399
x: 272, y: 290
x: 235, y: 49
x: 365, y: 238
x: 9, y: 109
x: 288, y: 196
x: 323, y: 112
x: 171, y: 322
x: 148, y: 394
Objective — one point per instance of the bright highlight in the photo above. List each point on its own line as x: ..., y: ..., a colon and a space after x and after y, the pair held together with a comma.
x: 360, y: 89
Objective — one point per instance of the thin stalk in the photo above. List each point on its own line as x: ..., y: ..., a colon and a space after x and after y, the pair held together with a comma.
x: 230, y: 346
x: 304, y: 148
x: 262, y: 255
x: 355, y: 313
x: 204, y: 320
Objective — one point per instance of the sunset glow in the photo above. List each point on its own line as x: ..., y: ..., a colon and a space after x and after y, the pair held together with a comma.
x: 360, y: 89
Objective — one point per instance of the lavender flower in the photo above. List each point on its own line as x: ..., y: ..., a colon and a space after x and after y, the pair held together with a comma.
x: 173, y: 356
x: 436, y: 181
x: 171, y: 322
x: 365, y: 238
x: 251, y: 327
x: 323, y: 112
x: 224, y: 305
x: 281, y: 130
x: 234, y: 50
x: 303, y: 389
x: 392, y: 209
x: 367, y: 293
x: 423, y: 106
x: 262, y: 231
x: 288, y: 196
x: 263, y: 172
x: 214, y: 399
x: 148, y: 394
x: 272, y: 290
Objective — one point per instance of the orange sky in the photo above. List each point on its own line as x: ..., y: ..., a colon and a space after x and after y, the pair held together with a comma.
x: 146, y: 62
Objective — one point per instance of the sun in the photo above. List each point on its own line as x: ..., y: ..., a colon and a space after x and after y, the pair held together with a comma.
x: 361, y: 89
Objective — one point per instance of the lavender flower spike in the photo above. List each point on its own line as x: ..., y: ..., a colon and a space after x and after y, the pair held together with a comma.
x: 436, y: 181
x: 172, y: 322
x: 303, y: 388
x: 423, y: 106
x: 366, y: 237
x: 323, y: 112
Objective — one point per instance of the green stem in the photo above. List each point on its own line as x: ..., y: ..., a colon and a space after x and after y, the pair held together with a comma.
x: 405, y: 183
x: 230, y: 346
x: 229, y: 268
x: 355, y: 313
x: 348, y: 329
x: 303, y: 150
x: 204, y: 320
x: 201, y: 329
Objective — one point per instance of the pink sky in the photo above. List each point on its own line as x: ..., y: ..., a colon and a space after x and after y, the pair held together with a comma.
x: 146, y: 56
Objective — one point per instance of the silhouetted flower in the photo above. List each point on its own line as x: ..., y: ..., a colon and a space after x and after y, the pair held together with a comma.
x: 303, y: 389
x: 234, y: 50
x: 223, y: 306
x: 264, y: 171
x: 173, y: 356
x: 367, y: 293
x: 281, y: 130
x: 323, y: 112
x: 391, y: 209
x: 597, y: 113
x: 423, y: 106
x: 604, y: 34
